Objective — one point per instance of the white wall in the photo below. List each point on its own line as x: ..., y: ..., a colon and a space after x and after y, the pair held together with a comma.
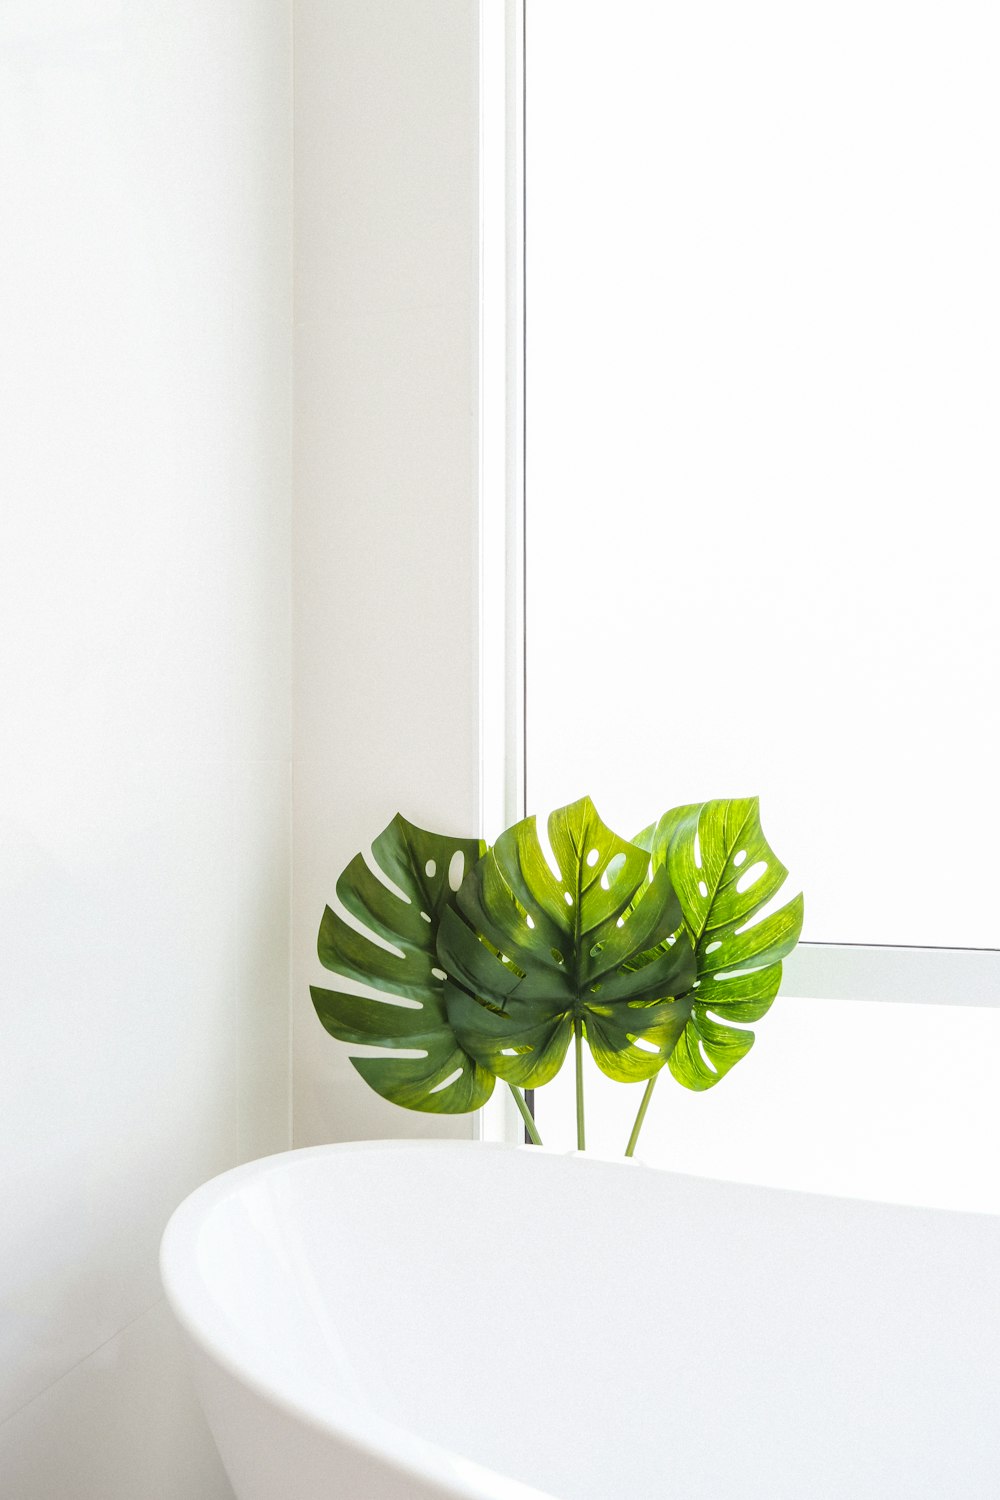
x: 386, y: 523
x: 145, y: 632
x: 145, y: 692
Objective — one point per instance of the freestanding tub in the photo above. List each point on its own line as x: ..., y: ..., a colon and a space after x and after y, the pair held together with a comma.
x: 401, y: 1321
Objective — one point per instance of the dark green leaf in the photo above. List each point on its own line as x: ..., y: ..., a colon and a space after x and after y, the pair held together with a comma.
x: 413, y: 1016
x: 530, y: 952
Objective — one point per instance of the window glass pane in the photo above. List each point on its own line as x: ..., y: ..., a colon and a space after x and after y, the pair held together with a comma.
x: 858, y: 1098
x: 763, y: 464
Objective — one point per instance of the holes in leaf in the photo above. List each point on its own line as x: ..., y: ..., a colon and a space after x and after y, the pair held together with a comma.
x: 697, y: 850
x: 447, y: 1082
x: 751, y: 876
x: 597, y: 949
x: 645, y: 1044
x: 762, y: 912
x: 456, y: 869
x: 439, y: 974
x: 709, y: 1064
x: 542, y: 834
x: 402, y: 1002
x: 593, y: 857
x: 500, y: 957
x: 728, y: 1021
x: 431, y: 869
x: 376, y: 939
x: 425, y: 916
x: 739, y: 858
x: 530, y: 920
x: 508, y: 1051
x: 725, y: 974
x: 386, y: 879
x: 702, y: 889
x: 713, y: 946
x: 567, y: 898
x: 388, y: 1054
x: 620, y: 922
x: 557, y: 956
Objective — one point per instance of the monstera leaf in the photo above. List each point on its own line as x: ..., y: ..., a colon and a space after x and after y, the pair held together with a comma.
x: 445, y: 1080
x: 724, y: 872
x: 598, y: 950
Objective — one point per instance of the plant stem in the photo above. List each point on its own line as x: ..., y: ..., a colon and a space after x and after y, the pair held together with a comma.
x: 526, y: 1115
x: 578, y: 1036
x: 647, y: 1095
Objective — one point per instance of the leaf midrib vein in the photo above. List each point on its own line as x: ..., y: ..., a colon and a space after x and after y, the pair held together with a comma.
x: 725, y: 865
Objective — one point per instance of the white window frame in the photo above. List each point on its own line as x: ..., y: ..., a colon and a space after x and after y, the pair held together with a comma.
x: 501, y: 448
x: 834, y: 971
x: 501, y: 413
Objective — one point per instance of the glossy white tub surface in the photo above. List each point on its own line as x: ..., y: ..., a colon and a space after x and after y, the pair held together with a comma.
x: 407, y: 1320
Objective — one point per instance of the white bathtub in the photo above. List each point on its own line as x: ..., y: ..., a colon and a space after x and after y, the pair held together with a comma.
x: 401, y: 1320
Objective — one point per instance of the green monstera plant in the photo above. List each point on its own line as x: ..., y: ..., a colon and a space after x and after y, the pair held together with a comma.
x: 489, y: 962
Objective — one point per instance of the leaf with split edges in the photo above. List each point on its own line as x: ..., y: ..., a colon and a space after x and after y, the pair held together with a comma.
x: 445, y: 1079
x: 529, y: 952
x: 724, y: 872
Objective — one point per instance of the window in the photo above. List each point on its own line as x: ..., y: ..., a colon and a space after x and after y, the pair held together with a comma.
x: 762, y: 476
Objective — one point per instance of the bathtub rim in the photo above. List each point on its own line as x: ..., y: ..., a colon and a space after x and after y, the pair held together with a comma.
x: 358, y: 1425
x: 353, y: 1423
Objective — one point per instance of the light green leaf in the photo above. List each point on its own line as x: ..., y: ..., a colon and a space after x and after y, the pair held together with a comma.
x: 418, y: 865
x: 724, y: 872
x: 530, y: 952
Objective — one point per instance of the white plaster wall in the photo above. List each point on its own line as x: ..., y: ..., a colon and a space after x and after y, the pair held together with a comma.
x: 386, y: 520
x: 145, y: 650
x: 144, y: 699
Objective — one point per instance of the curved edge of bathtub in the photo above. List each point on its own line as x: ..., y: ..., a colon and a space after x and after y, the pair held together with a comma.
x: 354, y: 1425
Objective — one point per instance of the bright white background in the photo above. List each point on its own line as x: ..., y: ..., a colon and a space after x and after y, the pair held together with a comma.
x: 763, y: 324
x: 865, y: 1099
x: 762, y: 460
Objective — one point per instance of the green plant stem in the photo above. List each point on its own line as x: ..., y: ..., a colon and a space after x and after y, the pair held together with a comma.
x: 526, y: 1115
x: 647, y: 1095
x: 578, y: 1037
